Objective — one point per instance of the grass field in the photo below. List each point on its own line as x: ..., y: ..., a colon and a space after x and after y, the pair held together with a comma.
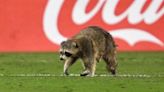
x: 40, y: 72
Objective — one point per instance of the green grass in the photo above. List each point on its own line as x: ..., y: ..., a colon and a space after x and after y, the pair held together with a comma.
x: 12, y: 64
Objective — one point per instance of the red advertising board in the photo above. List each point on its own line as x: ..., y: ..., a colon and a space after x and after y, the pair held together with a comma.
x: 41, y: 25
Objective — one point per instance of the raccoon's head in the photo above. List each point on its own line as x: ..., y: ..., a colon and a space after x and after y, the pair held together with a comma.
x: 68, y: 49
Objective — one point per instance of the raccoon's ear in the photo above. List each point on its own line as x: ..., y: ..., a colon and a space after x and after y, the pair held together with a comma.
x: 63, y: 42
x: 74, y: 44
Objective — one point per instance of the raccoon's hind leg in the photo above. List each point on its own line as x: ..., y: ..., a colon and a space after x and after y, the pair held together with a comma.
x: 89, y: 68
x: 111, y: 62
x: 67, y: 64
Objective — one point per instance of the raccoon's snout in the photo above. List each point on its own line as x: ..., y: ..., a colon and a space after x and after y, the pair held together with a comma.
x: 61, y: 59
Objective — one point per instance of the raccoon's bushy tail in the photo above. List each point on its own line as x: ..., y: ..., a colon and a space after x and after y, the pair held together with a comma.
x: 109, y: 36
x: 114, y: 44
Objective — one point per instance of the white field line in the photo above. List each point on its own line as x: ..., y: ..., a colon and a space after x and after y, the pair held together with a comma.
x: 76, y: 75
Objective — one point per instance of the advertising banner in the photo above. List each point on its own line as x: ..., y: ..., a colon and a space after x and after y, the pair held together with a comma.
x: 41, y: 25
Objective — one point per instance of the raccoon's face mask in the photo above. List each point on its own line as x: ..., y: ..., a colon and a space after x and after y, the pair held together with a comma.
x: 68, y: 49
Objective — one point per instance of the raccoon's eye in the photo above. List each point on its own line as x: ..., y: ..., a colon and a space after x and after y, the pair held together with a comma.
x: 61, y: 52
x: 68, y: 54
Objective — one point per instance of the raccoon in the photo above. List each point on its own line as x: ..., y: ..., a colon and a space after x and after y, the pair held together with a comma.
x: 90, y: 45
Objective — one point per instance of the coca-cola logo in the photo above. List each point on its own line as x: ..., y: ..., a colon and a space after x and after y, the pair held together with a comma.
x: 129, y: 25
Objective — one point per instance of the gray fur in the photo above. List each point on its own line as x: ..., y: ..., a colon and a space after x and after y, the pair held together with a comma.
x: 91, y: 44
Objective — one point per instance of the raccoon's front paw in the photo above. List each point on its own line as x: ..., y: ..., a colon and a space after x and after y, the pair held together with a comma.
x: 66, y: 73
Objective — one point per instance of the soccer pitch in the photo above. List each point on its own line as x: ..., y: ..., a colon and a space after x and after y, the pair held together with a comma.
x: 42, y: 72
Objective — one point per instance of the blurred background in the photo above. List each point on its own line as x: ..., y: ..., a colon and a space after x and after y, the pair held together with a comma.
x: 41, y: 25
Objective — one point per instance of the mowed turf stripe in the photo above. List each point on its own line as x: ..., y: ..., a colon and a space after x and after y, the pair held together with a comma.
x: 78, y: 75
